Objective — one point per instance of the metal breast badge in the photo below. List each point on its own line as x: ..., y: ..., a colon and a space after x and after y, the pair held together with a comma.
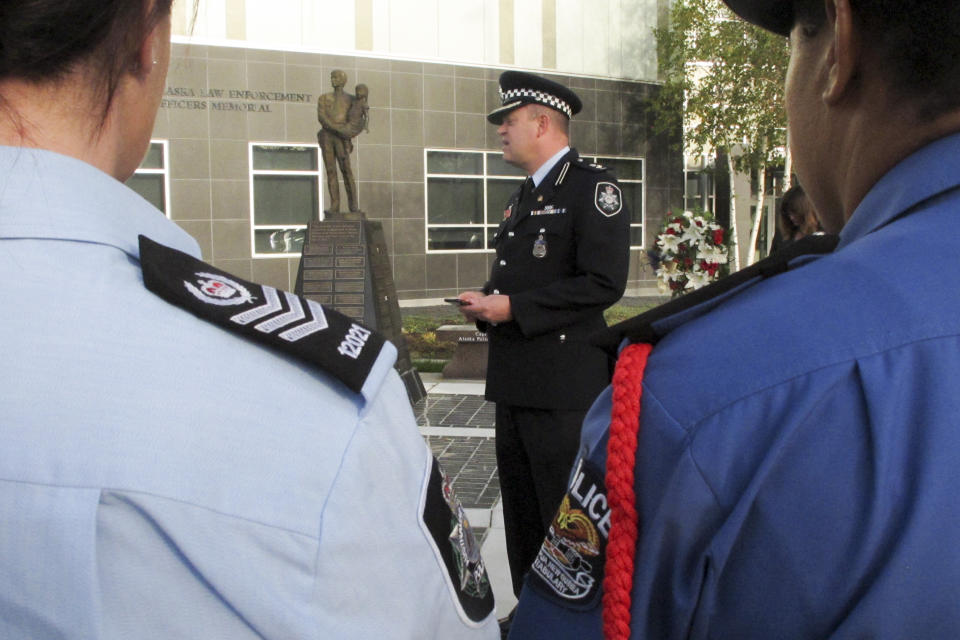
x: 540, y: 247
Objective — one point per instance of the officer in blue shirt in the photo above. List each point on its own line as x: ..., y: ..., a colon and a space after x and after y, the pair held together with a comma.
x: 183, y: 453
x: 733, y: 484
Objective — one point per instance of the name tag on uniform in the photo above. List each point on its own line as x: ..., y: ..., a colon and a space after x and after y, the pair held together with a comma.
x: 549, y: 210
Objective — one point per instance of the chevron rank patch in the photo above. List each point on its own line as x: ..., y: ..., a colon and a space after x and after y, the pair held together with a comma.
x: 289, y: 323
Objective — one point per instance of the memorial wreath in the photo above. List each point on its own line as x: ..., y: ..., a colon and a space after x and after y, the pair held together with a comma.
x: 691, y: 252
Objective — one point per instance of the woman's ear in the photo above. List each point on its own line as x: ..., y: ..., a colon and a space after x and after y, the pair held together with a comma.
x: 149, y: 53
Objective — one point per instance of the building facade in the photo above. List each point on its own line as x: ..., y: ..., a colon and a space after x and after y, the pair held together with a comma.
x: 235, y: 159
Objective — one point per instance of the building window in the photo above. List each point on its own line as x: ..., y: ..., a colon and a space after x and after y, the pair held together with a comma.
x: 465, y: 194
x: 700, y: 191
x: 630, y: 174
x: 467, y: 190
x: 152, y: 179
x: 285, y: 195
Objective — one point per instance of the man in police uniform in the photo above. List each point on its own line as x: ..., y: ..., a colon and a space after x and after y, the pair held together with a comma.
x: 801, y: 489
x: 562, y: 258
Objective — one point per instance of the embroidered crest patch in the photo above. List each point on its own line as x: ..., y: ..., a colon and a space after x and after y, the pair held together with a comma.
x: 445, y: 519
x: 218, y: 290
x: 569, y: 567
x: 608, y: 199
x: 289, y: 323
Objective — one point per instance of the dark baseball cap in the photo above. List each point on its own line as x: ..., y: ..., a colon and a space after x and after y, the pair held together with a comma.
x: 518, y: 88
x: 772, y: 15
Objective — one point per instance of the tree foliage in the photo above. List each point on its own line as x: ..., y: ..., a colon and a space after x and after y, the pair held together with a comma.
x: 725, y: 77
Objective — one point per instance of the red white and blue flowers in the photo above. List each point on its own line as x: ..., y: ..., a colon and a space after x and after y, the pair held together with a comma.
x: 692, y: 252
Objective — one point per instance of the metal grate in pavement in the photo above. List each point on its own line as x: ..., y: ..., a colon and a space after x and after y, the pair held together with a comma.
x: 470, y: 461
x: 447, y: 410
x: 472, y: 466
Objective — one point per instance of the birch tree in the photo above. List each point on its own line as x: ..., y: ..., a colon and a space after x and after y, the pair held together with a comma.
x: 726, y: 78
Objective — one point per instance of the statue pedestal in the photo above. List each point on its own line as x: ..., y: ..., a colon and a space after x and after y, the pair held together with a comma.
x: 345, y: 266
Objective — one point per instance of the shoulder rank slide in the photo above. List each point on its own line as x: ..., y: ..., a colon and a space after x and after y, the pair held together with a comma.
x: 292, y: 324
x: 589, y: 166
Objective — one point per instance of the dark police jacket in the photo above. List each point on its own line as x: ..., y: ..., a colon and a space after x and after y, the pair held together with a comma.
x: 562, y: 256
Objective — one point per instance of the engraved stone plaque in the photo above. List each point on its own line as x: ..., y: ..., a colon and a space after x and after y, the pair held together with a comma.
x: 345, y: 265
x: 349, y: 287
x: 310, y: 288
x: 358, y: 262
x: 348, y: 299
x: 316, y: 263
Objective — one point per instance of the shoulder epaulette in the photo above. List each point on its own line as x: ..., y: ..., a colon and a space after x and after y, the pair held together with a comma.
x: 651, y: 326
x: 589, y: 166
x: 286, y: 322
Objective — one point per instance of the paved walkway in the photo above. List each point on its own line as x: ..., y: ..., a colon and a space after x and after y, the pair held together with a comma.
x: 458, y: 426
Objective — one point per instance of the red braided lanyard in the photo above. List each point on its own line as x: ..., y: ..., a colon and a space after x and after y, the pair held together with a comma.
x: 621, y: 456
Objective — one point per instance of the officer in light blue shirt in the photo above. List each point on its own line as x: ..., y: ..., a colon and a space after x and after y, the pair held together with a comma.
x: 797, y: 450
x: 183, y: 453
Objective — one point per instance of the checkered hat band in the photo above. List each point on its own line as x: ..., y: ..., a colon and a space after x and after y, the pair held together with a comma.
x: 539, y: 96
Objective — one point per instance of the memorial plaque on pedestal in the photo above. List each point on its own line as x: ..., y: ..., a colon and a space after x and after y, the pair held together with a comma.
x: 345, y: 266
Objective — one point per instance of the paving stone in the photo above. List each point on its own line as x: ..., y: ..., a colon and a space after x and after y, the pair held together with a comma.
x: 470, y: 462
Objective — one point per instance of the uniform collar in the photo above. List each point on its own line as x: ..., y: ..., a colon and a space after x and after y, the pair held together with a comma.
x: 545, y: 168
x: 45, y: 195
x: 549, y: 183
x: 924, y: 174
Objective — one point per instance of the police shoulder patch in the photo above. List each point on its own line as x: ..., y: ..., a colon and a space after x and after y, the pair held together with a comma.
x: 445, y: 520
x: 569, y: 567
x: 297, y: 326
x: 608, y: 199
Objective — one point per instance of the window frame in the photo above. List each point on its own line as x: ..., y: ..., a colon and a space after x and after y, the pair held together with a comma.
x: 643, y: 193
x: 253, y: 173
x: 485, y: 177
x: 164, y: 171
x: 482, y: 177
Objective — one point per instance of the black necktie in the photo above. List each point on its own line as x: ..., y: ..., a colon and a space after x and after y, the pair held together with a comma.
x: 527, y: 188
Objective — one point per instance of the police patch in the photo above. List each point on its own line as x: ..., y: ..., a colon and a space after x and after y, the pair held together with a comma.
x: 218, y: 290
x: 569, y: 567
x: 608, y: 198
x: 297, y: 326
x: 445, y: 520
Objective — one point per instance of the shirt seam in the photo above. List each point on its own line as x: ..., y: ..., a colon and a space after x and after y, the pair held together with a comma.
x: 696, y: 423
x: 690, y: 433
x: 107, y: 489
